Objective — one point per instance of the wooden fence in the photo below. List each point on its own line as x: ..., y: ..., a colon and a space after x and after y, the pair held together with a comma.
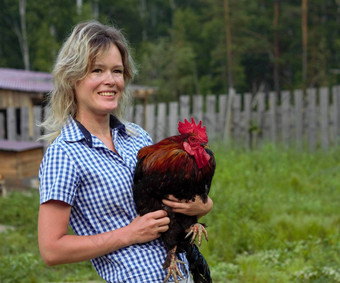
x: 293, y: 118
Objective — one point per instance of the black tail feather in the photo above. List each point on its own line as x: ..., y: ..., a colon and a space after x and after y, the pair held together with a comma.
x: 198, y: 266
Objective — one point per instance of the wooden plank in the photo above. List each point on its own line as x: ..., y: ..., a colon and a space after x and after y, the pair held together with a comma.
x: 161, y: 122
x: 11, y: 124
x: 197, y: 102
x: 247, y: 119
x: 139, y: 115
x: 210, y: 117
x: 312, y: 116
x: 262, y: 131
x: 324, y: 108
x: 184, y: 107
x: 227, y: 132
x: 272, y: 115
x: 336, y: 113
x: 298, y: 117
x: 222, y: 103
x: 173, y: 118
x: 2, y: 125
x: 37, y: 112
x: 285, y: 116
x: 236, y: 118
x: 24, y: 124
x: 128, y: 115
x: 150, y: 126
x: 30, y: 162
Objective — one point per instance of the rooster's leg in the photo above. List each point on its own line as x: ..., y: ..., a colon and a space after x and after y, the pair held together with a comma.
x: 197, y: 229
x: 171, y: 264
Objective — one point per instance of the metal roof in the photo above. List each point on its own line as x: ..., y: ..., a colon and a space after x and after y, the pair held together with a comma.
x: 32, y: 81
x: 28, y: 81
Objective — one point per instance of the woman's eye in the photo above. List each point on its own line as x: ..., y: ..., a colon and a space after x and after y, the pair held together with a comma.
x: 96, y: 71
x: 118, y: 71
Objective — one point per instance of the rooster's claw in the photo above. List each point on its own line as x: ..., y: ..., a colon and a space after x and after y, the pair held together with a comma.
x: 171, y: 264
x: 197, y: 229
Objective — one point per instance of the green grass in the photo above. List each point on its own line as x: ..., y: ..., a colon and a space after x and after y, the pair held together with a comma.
x: 276, y: 218
x: 19, y: 253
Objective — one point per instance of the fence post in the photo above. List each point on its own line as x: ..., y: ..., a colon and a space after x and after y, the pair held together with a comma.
x: 150, y: 120
x: 222, y: 103
x: 210, y: 117
x: 236, y: 119
x: 247, y: 119
x: 285, y: 116
x: 229, y: 115
x: 184, y: 107
x: 336, y: 113
x: 161, y: 122
x: 197, y: 105
x: 312, y: 126
x: 324, y: 108
x: 139, y: 115
x: 298, y: 117
x: 173, y: 118
x: 272, y: 113
x: 261, y: 131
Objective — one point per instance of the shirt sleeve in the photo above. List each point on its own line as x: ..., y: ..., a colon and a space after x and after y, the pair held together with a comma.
x: 58, y: 176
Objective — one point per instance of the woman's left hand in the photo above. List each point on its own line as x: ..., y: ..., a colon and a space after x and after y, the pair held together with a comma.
x: 192, y: 208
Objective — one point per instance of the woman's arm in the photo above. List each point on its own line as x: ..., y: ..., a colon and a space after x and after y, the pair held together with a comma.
x: 57, y: 247
x: 196, y: 207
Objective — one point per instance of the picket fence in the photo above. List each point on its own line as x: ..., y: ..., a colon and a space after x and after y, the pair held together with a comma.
x: 294, y: 118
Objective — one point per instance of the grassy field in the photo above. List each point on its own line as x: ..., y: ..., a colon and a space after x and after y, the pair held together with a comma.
x: 276, y: 218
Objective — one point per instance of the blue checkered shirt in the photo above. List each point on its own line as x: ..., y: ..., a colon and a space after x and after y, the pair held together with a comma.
x: 80, y: 170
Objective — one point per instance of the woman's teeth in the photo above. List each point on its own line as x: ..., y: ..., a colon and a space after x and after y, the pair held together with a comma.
x: 107, y: 93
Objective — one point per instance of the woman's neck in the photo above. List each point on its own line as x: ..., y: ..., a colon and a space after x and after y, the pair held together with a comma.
x: 98, y: 125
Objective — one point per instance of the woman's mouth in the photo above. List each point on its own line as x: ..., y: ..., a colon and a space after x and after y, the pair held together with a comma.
x: 107, y: 93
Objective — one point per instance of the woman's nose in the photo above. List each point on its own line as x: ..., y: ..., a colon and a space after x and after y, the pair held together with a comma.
x: 110, y: 78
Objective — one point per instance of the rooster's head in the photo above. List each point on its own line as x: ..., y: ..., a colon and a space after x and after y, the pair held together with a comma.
x: 196, y: 141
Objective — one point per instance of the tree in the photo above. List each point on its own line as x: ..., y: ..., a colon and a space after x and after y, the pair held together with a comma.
x: 304, y: 41
x: 276, y: 47
x: 22, y: 34
x: 228, y: 44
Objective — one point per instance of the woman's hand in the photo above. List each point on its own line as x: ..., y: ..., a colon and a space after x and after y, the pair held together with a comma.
x: 149, y: 226
x: 192, y: 208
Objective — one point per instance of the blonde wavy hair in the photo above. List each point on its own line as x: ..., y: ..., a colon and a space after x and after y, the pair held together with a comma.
x: 87, y: 41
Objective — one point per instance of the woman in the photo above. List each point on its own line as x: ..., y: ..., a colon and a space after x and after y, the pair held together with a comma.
x: 86, y: 175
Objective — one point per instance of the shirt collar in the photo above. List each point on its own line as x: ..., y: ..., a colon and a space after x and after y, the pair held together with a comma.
x: 75, y: 131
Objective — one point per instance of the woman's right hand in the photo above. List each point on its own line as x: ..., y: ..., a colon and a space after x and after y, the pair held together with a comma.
x: 149, y: 226
x: 58, y: 247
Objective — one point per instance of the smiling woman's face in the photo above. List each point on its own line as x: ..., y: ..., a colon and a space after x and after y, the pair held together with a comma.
x: 101, y: 89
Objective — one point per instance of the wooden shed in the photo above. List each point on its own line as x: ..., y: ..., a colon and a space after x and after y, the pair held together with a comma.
x: 20, y: 162
x: 20, y: 89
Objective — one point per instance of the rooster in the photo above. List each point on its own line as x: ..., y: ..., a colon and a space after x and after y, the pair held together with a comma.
x: 182, y: 166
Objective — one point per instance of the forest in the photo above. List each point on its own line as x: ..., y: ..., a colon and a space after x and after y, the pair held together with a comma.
x: 190, y: 46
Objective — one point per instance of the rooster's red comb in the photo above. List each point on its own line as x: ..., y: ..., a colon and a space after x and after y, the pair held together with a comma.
x: 187, y: 128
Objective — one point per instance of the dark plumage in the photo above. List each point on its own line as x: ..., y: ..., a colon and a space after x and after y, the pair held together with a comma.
x: 182, y: 166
